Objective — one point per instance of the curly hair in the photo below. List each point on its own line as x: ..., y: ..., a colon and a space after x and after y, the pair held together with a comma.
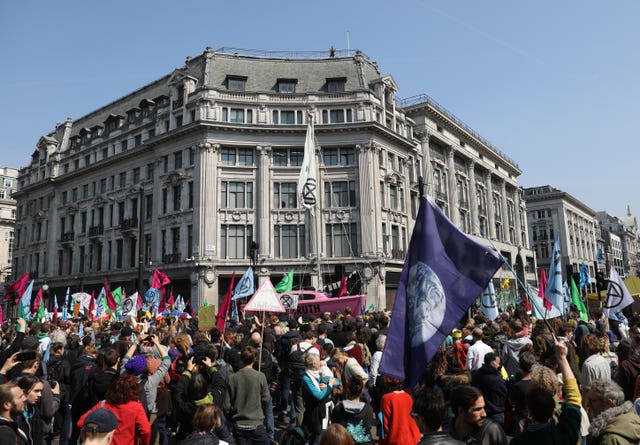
x: 545, y: 378
x: 123, y: 389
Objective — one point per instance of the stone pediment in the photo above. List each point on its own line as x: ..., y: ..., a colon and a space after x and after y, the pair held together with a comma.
x: 174, y: 178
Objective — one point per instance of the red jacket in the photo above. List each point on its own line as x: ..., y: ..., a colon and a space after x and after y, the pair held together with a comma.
x: 132, y: 423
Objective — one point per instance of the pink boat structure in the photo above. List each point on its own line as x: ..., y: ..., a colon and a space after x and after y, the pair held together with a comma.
x: 309, y: 302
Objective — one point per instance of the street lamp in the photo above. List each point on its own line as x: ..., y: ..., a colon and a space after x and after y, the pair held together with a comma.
x: 253, y: 256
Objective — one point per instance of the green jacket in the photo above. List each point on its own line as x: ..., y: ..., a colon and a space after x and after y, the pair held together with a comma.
x: 247, y: 393
x: 619, y: 425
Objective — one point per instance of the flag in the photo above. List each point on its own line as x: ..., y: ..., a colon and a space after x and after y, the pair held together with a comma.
x: 102, y: 296
x: 36, y: 304
x: 488, y: 303
x: 159, y: 280
x: 117, y: 295
x: 286, y: 284
x: 24, y: 306
x: 17, y: 287
x: 171, y: 301
x: 307, y: 183
x: 111, y: 302
x: 92, y: 306
x: 538, y: 309
x: 129, y: 305
x: 553, y: 293
x: 163, y: 303
x: 41, y: 311
x: 65, y: 308
x: 585, y: 279
x: 600, y: 257
x: 55, y: 309
x: 180, y: 303
x: 543, y: 285
x: 575, y: 299
x: 245, y: 287
x: 1, y: 315
x: 139, y: 300
x: 343, y: 287
x: 152, y: 297
x: 618, y: 297
x: 567, y: 294
x: 81, y: 330
x: 444, y: 272
x: 226, y: 304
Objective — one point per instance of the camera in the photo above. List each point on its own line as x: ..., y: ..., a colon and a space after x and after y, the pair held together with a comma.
x: 198, y: 359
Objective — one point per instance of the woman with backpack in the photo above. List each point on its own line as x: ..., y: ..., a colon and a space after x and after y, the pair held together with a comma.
x: 355, y: 415
x: 316, y: 389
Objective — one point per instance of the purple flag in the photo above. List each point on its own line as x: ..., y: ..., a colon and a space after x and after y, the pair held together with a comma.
x: 444, y: 272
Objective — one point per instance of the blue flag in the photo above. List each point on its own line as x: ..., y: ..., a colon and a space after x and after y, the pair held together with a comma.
x: 152, y: 297
x: 65, y: 308
x: 585, y: 280
x: 245, y: 287
x: 488, y: 303
x: 444, y: 272
x: 554, y: 293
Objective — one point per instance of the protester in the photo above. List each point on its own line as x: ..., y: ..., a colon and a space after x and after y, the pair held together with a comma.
x: 336, y: 434
x: 476, y: 352
x: 12, y: 405
x: 613, y: 420
x: 494, y: 389
x: 429, y: 411
x: 398, y: 426
x: 355, y: 415
x: 123, y: 399
x: 470, y: 420
x: 206, y: 420
x: 99, y: 427
x: 316, y: 391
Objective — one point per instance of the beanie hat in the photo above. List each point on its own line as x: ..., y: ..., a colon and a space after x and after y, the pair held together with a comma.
x: 137, y: 365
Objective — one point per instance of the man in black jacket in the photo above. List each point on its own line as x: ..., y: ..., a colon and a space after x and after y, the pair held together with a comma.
x: 493, y: 387
x: 12, y: 401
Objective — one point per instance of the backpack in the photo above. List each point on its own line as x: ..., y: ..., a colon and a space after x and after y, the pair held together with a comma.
x: 296, y: 362
x: 293, y: 435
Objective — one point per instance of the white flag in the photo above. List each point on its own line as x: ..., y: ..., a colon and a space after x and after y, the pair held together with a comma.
x: 618, y: 296
x: 307, y: 184
x: 130, y: 305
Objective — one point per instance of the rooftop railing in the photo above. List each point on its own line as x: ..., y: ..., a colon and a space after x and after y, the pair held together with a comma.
x: 291, y: 54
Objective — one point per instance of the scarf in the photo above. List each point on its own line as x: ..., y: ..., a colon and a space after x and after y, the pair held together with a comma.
x: 315, y: 378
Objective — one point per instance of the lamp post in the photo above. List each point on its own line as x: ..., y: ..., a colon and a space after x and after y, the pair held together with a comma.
x: 140, y: 239
x: 253, y: 256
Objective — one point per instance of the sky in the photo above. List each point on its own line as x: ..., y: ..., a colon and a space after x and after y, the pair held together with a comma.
x: 553, y: 85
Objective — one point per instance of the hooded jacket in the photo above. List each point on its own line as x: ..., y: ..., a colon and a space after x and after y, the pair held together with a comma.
x: 619, y: 425
x: 509, y: 355
x: 10, y: 433
x: 493, y: 387
x: 356, y: 417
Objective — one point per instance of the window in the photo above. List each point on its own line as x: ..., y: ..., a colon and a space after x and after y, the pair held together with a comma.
x: 189, y: 241
x: 8, y: 183
x: 165, y: 163
x: 284, y: 195
x: 190, y: 194
x: 192, y: 156
x: 103, y: 185
x: 175, y: 240
x: 340, y: 194
x: 123, y: 179
x: 83, y: 222
x: 64, y: 197
x: 124, y: 145
x: 177, y: 160
x: 177, y: 198
x: 341, y: 240
x: 289, y: 241
x: 74, y: 194
x: 237, y: 115
x: 136, y: 175
x: 137, y: 141
x: 245, y: 156
x: 148, y: 207
x: 234, y: 240
x: 228, y: 156
x: 344, y: 156
x: 87, y: 160
x: 237, y: 195
x: 236, y: 83
x: 150, y: 171
x: 337, y: 116
x: 119, y: 253
x: 336, y: 85
x: 152, y: 133
x: 287, y: 85
x: 164, y: 201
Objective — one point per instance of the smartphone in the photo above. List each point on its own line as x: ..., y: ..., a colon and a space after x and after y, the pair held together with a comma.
x: 25, y: 356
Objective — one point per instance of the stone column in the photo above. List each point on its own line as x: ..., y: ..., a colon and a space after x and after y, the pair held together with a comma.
x: 366, y: 187
x: 505, y: 210
x: 454, y: 205
x: 262, y: 195
x: 205, y: 218
x: 426, y: 163
x: 491, y: 216
x: 473, y: 201
x: 517, y: 212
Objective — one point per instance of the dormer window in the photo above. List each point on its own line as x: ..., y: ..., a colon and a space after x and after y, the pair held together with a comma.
x: 96, y: 131
x: 132, y: 115
x: 287, y: 85
x: 145, y: 107
x: 336, y: 84
x: 85, y: 136
x: 236, y: 83
x: 75, y: 141
x: 112, y: 123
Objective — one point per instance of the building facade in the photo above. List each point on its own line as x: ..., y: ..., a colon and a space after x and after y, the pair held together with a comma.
x: 8, y: 185
x: 553, y: 214
x: 626, y: 231
x: 196, y: 174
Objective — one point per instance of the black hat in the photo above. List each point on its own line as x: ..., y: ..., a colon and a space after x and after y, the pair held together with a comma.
x: 100, y: 421
x: 30, y: 342
x: 126, y: 331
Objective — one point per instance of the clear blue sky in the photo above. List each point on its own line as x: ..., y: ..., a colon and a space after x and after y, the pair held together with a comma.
x: 554, y: 85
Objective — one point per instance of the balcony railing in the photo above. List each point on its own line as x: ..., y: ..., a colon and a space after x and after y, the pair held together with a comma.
x: 67, y: 237
x: 172, y: 258
x: 129, y: 223
x: 96, y: 230
x: 397, y: 254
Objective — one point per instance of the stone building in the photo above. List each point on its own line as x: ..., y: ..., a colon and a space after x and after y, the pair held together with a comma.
x: 553, y: 214
x: 8, y: 184
x: 626, y: 231
x: 196, y: 174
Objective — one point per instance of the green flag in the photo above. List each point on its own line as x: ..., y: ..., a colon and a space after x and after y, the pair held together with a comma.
x: 286, y: 284
x: 40, y: 313
x: 21, y: 312
x: 117, y: 295
x: 575, y: 299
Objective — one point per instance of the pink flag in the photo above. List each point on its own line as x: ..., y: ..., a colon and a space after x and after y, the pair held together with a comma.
x: 171, y: 301
x: 343, y: 287
x: 226, y: 305
x: 36, y: 304
x: 139, y: 301
x: 543, y: 285
x: 159, y: 280
x: 111, y: 302
x: 18, y: 287
x: 1, y: 316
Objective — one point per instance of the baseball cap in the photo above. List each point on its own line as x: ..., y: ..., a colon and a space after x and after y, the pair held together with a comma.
x: 101, y: 420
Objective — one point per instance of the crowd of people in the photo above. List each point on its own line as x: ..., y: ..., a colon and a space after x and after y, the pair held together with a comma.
x: 317, y: 381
